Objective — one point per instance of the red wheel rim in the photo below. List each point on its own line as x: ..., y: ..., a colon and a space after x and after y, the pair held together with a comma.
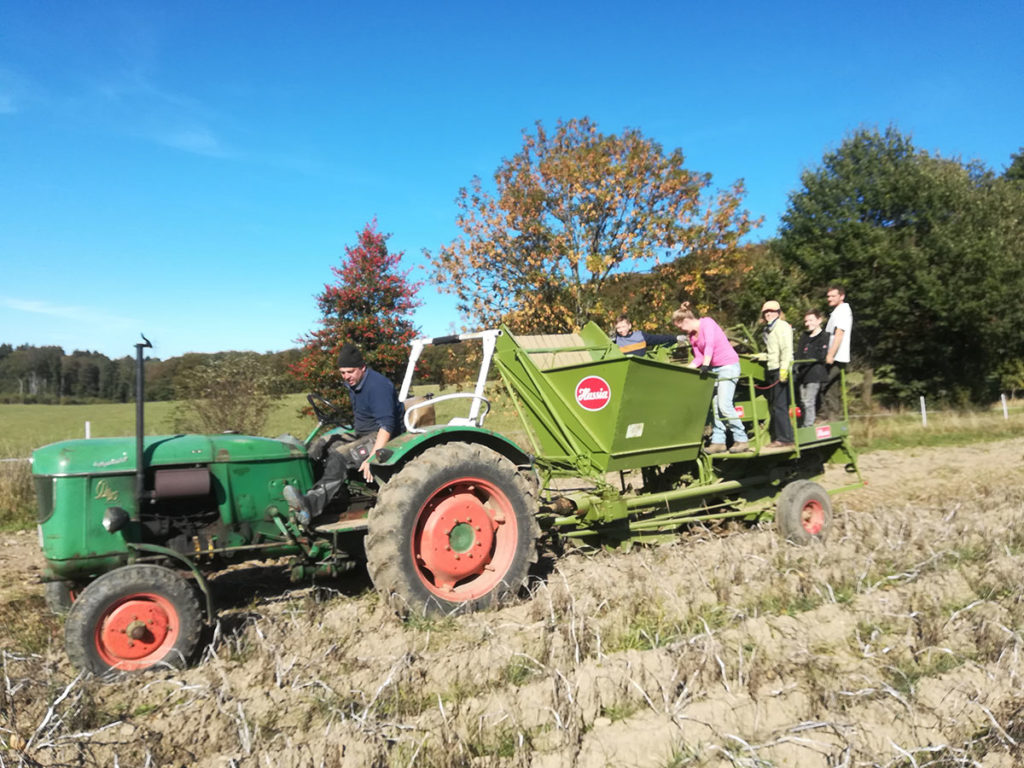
x: 136, y: 632
x: 812, y: 517
x: 465, y: 539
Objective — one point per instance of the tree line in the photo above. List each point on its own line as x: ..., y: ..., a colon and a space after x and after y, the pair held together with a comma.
x: 31, y: 374
x: 930, y: 249
x: 581, y: 225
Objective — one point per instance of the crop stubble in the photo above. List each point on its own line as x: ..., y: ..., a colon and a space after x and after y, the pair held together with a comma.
x: 897, y: 643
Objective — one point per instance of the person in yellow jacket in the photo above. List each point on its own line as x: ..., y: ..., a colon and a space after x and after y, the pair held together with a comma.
x: 778, y: 342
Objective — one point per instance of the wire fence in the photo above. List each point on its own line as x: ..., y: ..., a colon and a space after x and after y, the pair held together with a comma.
x: 924, y: 411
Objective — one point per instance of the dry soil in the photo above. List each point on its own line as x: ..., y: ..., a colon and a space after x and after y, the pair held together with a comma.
x: 897, y: 643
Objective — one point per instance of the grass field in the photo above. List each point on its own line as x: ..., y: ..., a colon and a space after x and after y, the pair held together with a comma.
x: 26, y: 427
x: 887, y: 430
x: 23, y: 428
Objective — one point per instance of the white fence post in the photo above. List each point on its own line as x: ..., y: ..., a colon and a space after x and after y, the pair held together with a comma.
x: 87, y: 430
x: 924, y: 413
x: 1006, y: 413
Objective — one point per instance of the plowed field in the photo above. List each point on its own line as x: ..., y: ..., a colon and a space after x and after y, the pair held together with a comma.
x: 897, y: 643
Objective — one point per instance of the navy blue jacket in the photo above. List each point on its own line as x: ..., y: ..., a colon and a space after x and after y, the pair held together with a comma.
x: 375, y: 405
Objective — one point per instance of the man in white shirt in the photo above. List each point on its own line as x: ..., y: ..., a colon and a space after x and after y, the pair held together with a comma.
x: 839, y: 329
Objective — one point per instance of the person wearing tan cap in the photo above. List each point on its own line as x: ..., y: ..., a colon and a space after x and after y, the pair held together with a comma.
x: 778, y: 343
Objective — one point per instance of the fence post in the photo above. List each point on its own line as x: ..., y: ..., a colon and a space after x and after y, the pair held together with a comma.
x: 924, y: 413
x: 1006, y: 413
x: 87, y: 430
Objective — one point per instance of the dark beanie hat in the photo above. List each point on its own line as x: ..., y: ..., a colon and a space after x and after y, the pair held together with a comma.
x: 350, y: 357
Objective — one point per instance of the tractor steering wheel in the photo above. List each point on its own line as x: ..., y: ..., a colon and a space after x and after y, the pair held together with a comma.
x: 326, y: 411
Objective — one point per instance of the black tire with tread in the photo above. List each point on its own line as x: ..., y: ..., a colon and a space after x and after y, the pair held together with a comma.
x: 109, y: 589
x: 60, y: 596
x: 789, y: 515
x: 393, y: 519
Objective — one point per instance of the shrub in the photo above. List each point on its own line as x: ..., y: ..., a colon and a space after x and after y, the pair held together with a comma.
x: 232, y: 393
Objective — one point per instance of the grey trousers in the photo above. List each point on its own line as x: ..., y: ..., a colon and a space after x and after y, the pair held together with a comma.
x: 342, y: 456
x: 809, y: 401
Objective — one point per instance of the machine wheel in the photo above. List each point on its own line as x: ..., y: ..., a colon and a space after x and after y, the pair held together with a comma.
x: 133, y: 618
x: 60, y: 595
x: 456, y: 528
x: 804, y: 512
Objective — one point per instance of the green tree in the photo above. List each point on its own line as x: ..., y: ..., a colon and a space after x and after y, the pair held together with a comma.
x: 34, y: 373
x: 732, y: 290
x: 1011, y: 376
x: 570, y: 209
x: 232, y: 391
x: 82, y: 374
x: 925, y: 247
x: 369, y: 304
x: 1015, y: 170
x: 121, y: 379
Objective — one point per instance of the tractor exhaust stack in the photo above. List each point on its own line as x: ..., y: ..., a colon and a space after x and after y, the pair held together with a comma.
x: 140, y: 426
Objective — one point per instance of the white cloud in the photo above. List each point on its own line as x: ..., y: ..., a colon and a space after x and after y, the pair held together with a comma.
x: 132, y: 102
x: 199, y: 141
x: 80, y: 314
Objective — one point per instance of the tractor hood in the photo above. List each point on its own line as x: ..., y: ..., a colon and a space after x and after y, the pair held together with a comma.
x: 116, y: 455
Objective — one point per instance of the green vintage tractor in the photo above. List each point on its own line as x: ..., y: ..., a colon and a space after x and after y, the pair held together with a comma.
x: 133, y: 529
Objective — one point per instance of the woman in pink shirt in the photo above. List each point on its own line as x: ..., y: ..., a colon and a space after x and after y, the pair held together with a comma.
x: 713, y: 352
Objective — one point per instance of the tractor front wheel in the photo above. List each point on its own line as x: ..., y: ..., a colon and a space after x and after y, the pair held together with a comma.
x: 804, y: 512
x: 456, y: 528
x: 60, y: 595
x: 133, y: 618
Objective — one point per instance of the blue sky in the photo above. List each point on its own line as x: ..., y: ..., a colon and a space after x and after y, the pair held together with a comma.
x: 192, y: 170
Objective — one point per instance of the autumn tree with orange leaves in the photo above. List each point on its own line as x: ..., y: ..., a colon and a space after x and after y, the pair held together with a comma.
x: 369, y: 304
x: 572, y: 209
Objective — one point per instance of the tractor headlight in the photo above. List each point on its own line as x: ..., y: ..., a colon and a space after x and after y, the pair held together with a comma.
x: 114, y: 519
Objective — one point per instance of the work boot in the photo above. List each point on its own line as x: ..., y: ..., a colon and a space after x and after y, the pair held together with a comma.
x: 716, y: 448
x: 298, y: 503
x: 739, y: 448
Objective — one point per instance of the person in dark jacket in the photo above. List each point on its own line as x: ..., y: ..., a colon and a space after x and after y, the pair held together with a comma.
x: 633, y: 342
x: 377, y: 416
x: 812, y: 345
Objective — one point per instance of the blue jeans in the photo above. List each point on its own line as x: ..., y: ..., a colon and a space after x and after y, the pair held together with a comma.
x: 724, y: 411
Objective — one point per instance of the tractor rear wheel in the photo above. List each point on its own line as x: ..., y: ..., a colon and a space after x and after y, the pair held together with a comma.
x: 133, y: 618
x: 455, y: 529
x: 804, y: 512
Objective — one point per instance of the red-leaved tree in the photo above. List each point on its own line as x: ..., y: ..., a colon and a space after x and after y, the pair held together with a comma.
x: 369, y: 304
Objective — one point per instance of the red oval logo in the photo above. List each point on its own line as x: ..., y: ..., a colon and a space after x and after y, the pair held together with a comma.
x: 593, y: 393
